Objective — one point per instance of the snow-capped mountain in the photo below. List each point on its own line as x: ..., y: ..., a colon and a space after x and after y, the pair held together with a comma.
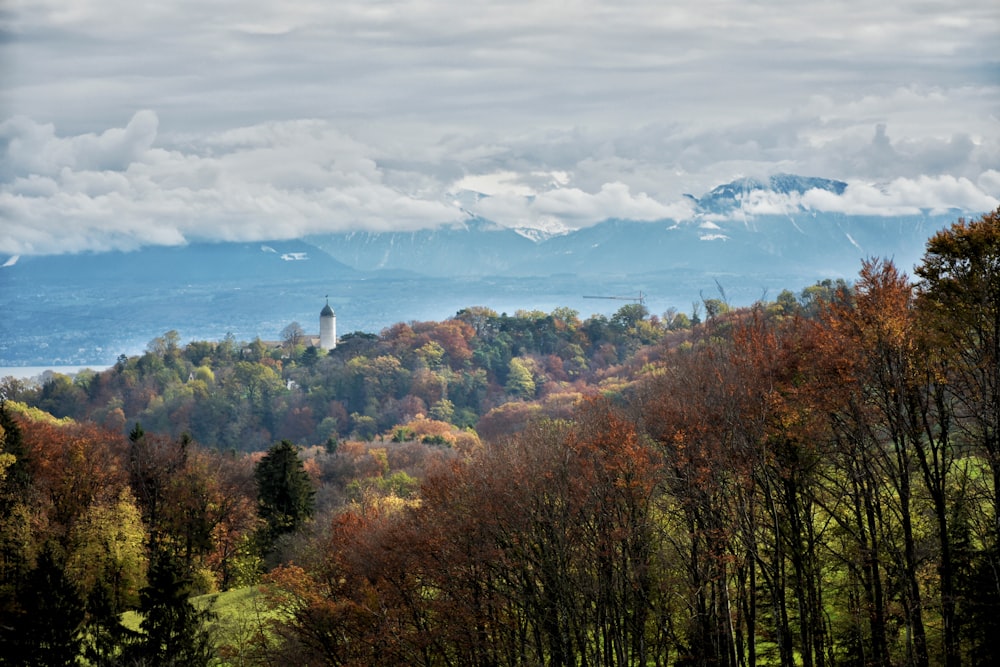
x: 742, y: 226
x: 730, y: 196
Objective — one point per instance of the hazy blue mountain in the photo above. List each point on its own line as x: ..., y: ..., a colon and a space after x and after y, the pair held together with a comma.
x: 194, y: 263
x: 477, y: 247
x: 721, y: 237
x: 91, y: 307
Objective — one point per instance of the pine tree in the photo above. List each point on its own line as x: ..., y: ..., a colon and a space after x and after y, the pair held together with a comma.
x: 284, y: 492
x: 106, y: 637
x: 173, y: 631
x: 48, y: 629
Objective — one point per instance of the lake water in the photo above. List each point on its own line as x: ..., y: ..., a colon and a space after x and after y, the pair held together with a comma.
x: 71, y: 329
x: 32, y: 372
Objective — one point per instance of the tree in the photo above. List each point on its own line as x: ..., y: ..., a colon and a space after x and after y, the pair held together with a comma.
x: 106, y: 638
x: 443, y: 410
x: 876, y: 344
x: 786, y: 303
x: 60, y: 397
x: 959, y: 303
x: 152, y: 462
x: 959, y: 294
x: 173, y: 631
x: 107, y: 550
x: 482, y: 320
x: 16, y: 539
x: 292, y: 335
x: 629, y: 315
x: 520, y: 383
x: 48, y: 631
x: 715, y: 308
x: 285, y: 496
x: 165, y: 344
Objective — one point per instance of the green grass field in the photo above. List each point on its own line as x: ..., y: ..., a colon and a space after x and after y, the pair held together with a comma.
x: 237, y: 618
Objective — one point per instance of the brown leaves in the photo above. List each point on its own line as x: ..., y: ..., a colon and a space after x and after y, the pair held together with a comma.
x: 556, y: 518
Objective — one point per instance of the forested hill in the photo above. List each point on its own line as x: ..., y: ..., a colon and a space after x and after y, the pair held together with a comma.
x: 479, y: 369
x: 813, y: 481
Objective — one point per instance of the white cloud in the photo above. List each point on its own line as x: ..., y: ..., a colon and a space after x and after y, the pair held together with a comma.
x: 120, y: 189
x: 497, y: 183
x: 259, y: 119
x: 904, y: 196
x: 115, y: 190
x: 34, y: 149
x: 989, y: 181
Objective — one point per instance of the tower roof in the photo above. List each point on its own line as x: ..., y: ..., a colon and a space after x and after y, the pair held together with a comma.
x: 327, y: 310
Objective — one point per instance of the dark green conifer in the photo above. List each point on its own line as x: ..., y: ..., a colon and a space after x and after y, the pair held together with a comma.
x: 47, y: 631
x: 173, y: 631
x: 107, y: 639
x: 285, y: 494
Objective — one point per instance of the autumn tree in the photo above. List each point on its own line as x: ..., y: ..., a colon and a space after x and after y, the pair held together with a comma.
x: 692, y: 410
x: 152, y: 462
x: 872, y: 347
x: 107, y: 551
x: 520, y: 382
x: 16, y: 538
x: 959, y: 295
x: 959, y: 301
x: 292, y: 335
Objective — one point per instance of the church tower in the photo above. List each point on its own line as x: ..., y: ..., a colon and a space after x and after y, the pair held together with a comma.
x: 327, y: 327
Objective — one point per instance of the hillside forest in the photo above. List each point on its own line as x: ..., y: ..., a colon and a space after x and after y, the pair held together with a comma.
x: 813, y: 480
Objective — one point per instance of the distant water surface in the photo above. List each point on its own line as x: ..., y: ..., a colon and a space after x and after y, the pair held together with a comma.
x: 36, y: 372
x: 70, y: 328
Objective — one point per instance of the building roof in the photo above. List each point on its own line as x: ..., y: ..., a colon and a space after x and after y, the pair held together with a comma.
x: 327, y: 310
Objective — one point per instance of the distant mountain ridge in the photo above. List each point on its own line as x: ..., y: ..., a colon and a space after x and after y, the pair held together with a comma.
x: 721, y: 237
x: 192, y: 263
x: 718, y: 238
x: 730, y: 196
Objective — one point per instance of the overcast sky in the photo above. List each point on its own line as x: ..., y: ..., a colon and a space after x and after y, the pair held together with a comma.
x: 125, y: 123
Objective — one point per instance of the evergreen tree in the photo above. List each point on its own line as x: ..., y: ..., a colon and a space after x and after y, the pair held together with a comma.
x: 173, y: 631
x: 47, y: 632
x: 106, y: 638
x: 285, y: 494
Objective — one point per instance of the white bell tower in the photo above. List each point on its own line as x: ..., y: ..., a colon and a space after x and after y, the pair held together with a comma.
x: 327, y: 327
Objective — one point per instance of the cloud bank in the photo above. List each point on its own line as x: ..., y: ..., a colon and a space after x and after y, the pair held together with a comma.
x: 121, y: 188
x: 124, y: 124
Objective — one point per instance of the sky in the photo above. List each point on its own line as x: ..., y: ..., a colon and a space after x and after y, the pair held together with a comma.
x: 126, y: 123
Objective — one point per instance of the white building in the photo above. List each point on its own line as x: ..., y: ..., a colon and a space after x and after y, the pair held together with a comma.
x: 327, y: 327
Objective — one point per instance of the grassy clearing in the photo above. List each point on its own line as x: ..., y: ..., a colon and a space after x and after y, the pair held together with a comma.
x: 238, y: 618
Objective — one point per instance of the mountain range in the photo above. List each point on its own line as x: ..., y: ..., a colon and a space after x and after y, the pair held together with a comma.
x: 90, y: 307
x: 720, y: 236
